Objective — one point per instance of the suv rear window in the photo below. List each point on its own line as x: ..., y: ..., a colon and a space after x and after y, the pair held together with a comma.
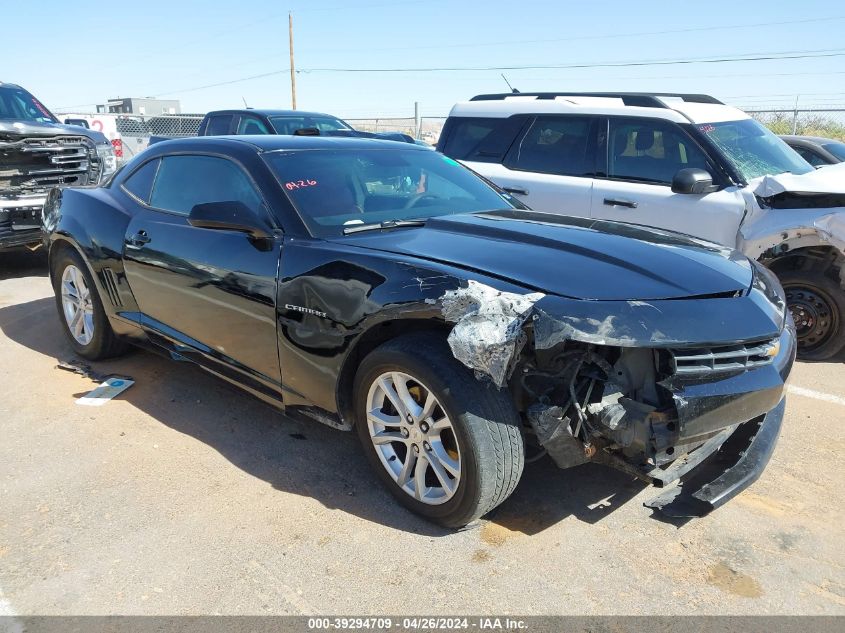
x: 481, y: 139
x: 218, y: 125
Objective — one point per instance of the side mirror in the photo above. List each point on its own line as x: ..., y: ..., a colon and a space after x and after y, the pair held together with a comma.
x: 77, y: 122
x: 227, y: 216
x: 693, y: 180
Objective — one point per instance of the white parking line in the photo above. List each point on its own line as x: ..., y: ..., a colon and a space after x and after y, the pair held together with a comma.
x: 816, y: 395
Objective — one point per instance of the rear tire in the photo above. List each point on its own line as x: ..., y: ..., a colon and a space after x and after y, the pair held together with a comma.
x: 479, y: 446
x: 81, y: 312
x: 817, y: 304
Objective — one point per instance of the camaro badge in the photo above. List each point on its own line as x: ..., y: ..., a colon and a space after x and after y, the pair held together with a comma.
x: 305, y: 310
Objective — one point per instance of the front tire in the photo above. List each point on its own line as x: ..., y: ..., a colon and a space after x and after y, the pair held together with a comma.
x: 447, y: 445
x: 817, y: 304
x: 81, y: 312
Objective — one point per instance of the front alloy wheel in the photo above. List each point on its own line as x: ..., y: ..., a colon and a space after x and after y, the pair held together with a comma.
x: 413, y: 437
x: 447, y: 445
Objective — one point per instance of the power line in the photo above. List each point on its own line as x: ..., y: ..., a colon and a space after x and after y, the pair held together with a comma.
x: 183, y: 44
x: 604, y: 36
x: 749, y: 57
x: 346, y: 7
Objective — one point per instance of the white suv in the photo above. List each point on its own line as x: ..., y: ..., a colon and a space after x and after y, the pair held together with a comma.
x: 687, y: 163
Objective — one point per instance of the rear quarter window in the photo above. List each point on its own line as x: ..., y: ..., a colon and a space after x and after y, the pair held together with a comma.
x: 481, y: 139
x: 140, y: 182
x: 218, y: 125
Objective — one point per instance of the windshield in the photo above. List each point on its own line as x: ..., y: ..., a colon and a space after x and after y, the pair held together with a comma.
x: 753, y: 149
x: 289, y: 124
x: 337, y: 189
x: 18, y: 105
x: 837, y: 149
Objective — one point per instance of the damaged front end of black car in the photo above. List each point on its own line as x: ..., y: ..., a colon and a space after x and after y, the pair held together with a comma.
x: 686, y: 394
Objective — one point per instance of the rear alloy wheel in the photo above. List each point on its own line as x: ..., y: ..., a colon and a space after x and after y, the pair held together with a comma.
x: 83, y: 319
x: 77, y: 306
x: 817, y: 305
x: 447, y: 445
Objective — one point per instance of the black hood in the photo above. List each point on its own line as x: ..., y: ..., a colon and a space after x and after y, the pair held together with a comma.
x: 572, y: 257
x: 33, y: 128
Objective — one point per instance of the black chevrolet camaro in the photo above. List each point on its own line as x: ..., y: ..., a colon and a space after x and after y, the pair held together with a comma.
x: 385, y: 288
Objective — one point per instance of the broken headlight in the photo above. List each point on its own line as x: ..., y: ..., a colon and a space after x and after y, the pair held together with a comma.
x: 108, y: 160
x: 767, y: 283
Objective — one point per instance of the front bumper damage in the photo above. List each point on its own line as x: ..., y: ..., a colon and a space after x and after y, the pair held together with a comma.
x: 728, y: 431
x: 620, y: 383
x: 715, y: 473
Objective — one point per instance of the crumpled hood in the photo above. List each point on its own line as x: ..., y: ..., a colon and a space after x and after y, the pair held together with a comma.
x: 828, y: 179
x: 32, y: 128
x: 571, y: 257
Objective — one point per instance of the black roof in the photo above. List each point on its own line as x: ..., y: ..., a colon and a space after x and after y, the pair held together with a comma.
x: 818, y: 140
x: 643, y: 99
x: 270, y: 112
x: 274, y: 142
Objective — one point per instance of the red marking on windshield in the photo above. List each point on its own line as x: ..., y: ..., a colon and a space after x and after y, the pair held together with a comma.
x: 43, y: 110
x: 299, y: 184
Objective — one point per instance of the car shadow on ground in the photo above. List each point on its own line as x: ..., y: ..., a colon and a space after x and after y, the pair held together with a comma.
x: 303, y: 457
x: 22, y: 262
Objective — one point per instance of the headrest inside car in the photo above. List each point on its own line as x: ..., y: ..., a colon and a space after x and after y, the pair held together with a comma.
x: 645, y: 139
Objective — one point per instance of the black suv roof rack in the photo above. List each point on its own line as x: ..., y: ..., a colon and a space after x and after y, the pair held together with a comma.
x: 641, y: 99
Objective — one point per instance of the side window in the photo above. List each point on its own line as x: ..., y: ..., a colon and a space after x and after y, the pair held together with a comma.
x: 251, y: 125
x: 140, y: 183
x: 650, y: 150
x: 211, y: 179
x: 218, y: 125
x: 467, y: 134
x: 810, y: 156
x: 563, y: 145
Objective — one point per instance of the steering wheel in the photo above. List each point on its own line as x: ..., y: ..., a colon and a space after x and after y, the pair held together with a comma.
x: 414, y: 200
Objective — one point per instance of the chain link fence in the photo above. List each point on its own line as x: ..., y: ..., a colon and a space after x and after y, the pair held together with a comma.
x: 829, y: 123
x: 130, y: 133
x: 429, y: 127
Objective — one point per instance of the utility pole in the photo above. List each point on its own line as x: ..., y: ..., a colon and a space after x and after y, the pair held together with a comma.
x: 292, y: 69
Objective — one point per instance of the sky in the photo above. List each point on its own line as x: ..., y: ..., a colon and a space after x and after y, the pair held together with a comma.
x: 73, y: 55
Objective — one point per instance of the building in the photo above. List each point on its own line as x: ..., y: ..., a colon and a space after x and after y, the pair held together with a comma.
x: 148, y: 106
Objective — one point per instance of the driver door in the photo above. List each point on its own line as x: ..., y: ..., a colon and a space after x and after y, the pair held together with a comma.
x: 206, y: 294
x: 643, y: 155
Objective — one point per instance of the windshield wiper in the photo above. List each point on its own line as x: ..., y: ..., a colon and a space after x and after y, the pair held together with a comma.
x: 386, y: 224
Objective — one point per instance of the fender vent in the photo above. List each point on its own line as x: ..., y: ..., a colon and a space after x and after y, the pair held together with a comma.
x: 110, y: 284
x: 725, y: 358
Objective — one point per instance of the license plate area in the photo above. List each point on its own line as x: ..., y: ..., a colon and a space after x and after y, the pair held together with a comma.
x: 25, y: 219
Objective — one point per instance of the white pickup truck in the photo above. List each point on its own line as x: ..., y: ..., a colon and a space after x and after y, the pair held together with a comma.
x: 682, y: 162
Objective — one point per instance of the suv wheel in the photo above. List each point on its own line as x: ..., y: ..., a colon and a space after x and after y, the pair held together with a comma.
x: 817, y: 304
x: 445, y: 444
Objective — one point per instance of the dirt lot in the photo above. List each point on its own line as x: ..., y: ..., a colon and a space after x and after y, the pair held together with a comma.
x: 186, y: 496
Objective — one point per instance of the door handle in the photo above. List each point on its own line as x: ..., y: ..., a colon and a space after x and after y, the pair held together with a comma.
x: 613, y: 202
x: 516, y: 190
x: 138, y: 240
